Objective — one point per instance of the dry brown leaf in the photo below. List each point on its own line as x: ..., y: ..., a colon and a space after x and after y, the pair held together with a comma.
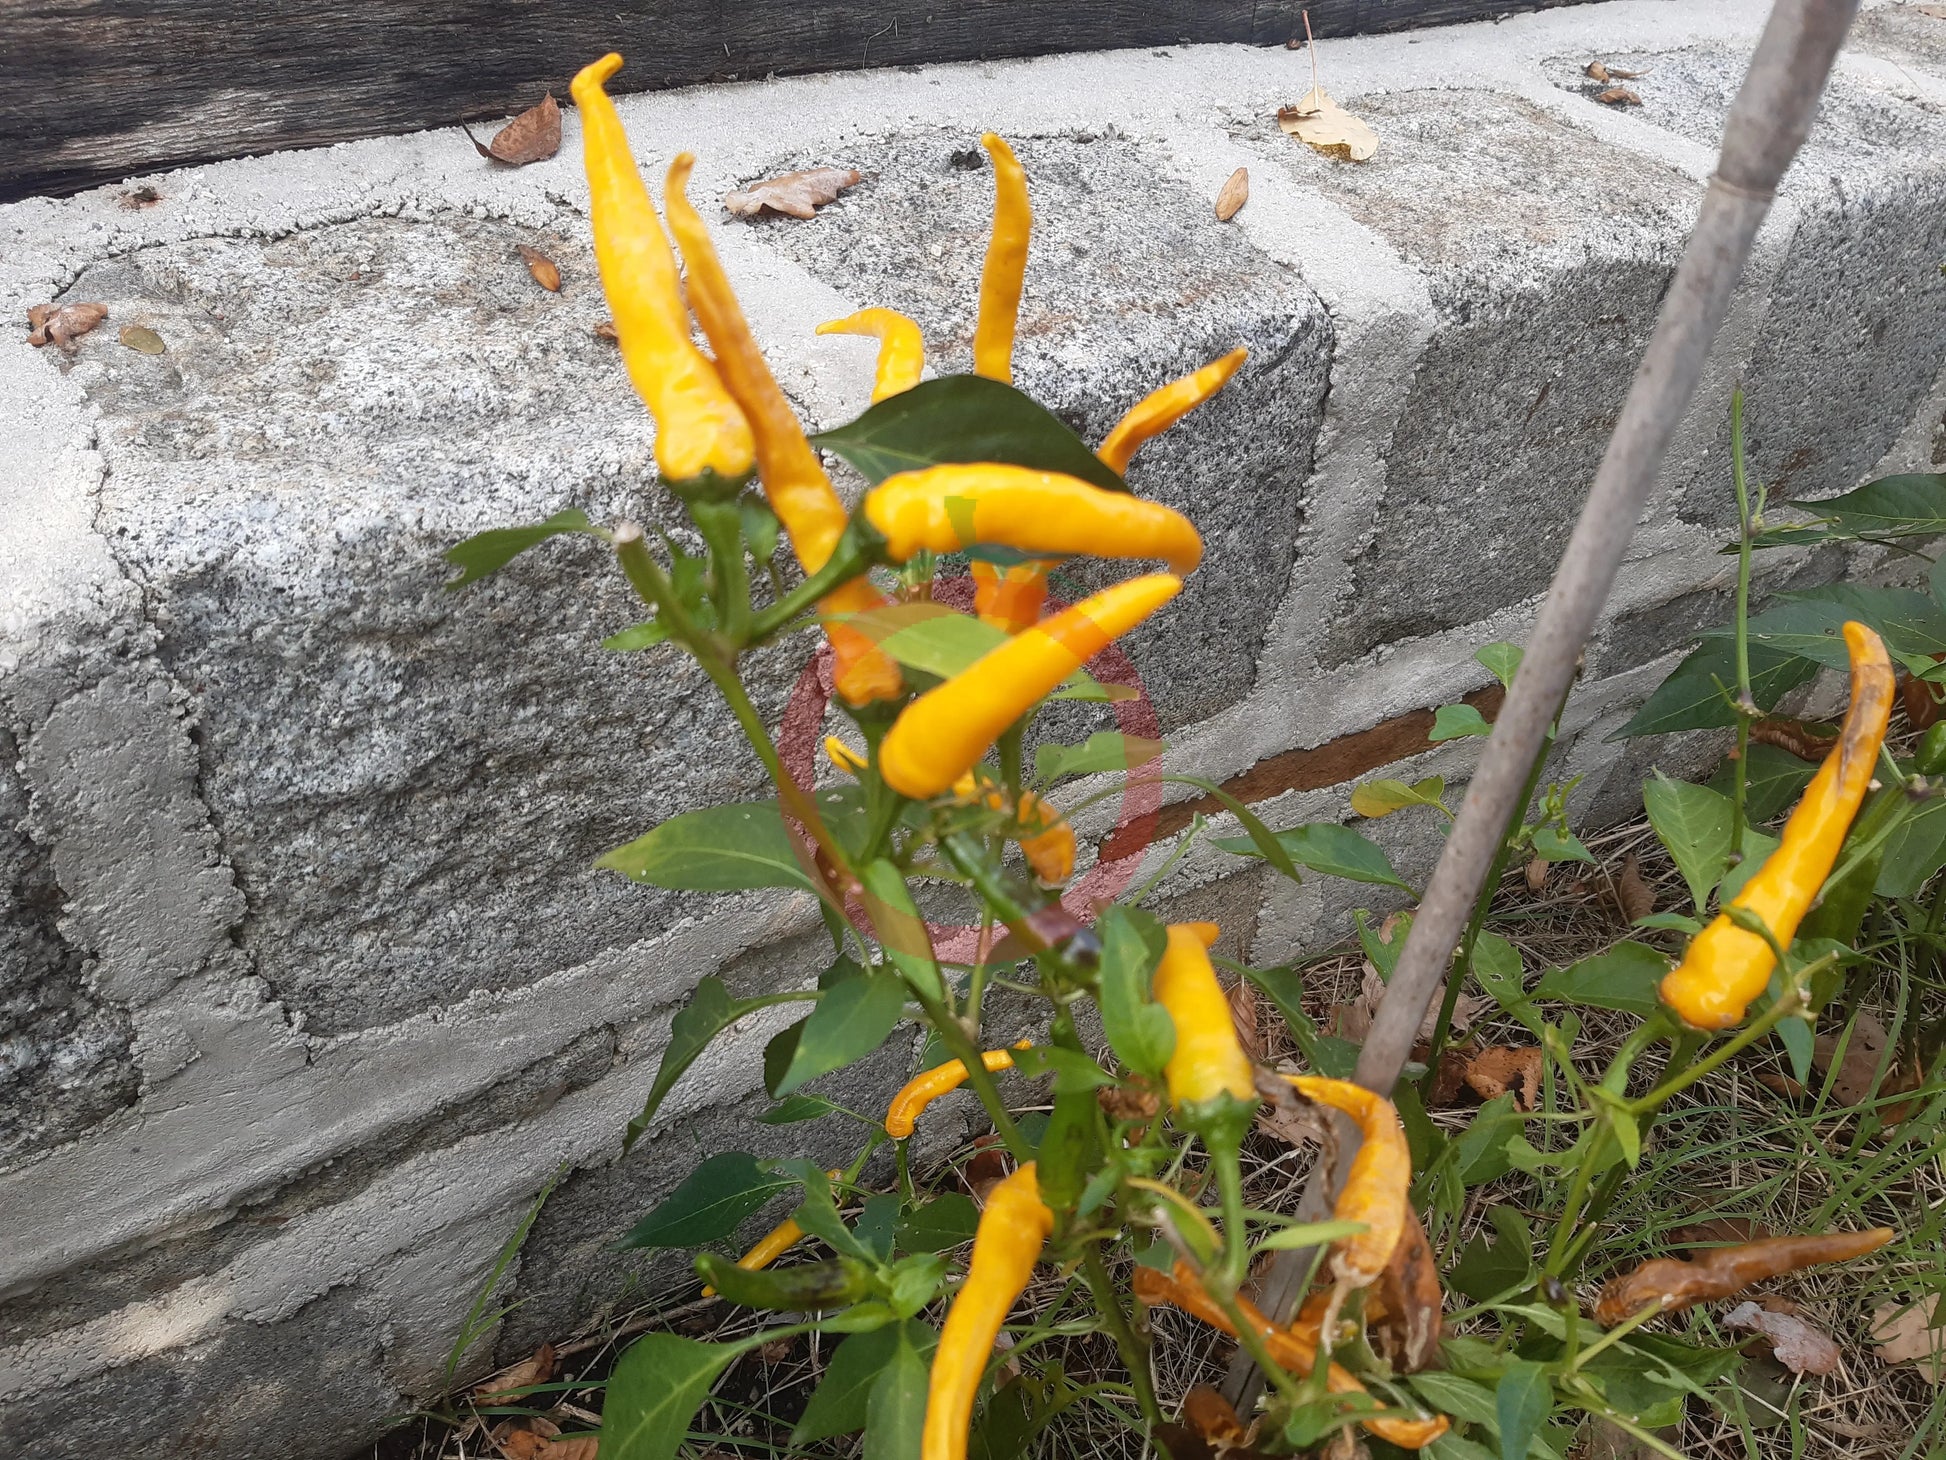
x: 1859, y: 1067
x: 1234, y: 193
x: 62, y: 324
x: 1497, y: 1070
x: 605, y: 329
x: 1321, y: 124
x: 142, y: 339
x: 1447, y: 1080
x: 1600, y: 71
x: 504, y: 1387
x: 1243, y: 1014
x: 1717, y: 1232
x: 1353, y: 1021
x: 1806, y: 742
x: 1596, y: 70
x: 1283, y: 1115
x: 574, y: 1447
x: 1536, y: 875
x: 1129, y: 1102
x: 520, y: 1441
x: 1632, y: 891
x: 1618, y: 96
x: 546, y: 272
x: 1799, y: 1347
x: 1212, y: 1417
x: 1906, y: 1336
x: 533, y: 136
x: 984, y: 1172
x: 797, y: 194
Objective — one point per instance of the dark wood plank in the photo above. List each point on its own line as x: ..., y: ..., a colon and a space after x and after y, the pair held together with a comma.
x: 94, y: 90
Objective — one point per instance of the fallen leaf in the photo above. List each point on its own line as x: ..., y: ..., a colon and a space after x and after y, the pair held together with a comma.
x: 1799, y: 1347
x: 142, y: 339
x: 533, y: 136
x: 504, y: 1387
x: 1721, y: 1272
x: 546, y: 272
x: 605, y: 329
x: 984, y: 1172
x: 1618, y: 96
x: 1806, y: 742
x: 1536, y: 873
x: 798, y: 194
x: 520, y: 1441
x: 62, y: 324
x: 776, y: 1351
x: 1496, y: 1070
x: 1632, y: 892
x: 1243, y: 1014
x: 574, y: 1447
x: 1353, y: 1021
x: 1234, y: 193
x: 1783, y: 1084
x: 1283, y: 1115
x: 1903, y: 1335
x: 1447, y: 1080
x: 1596, y: 70
x: 1858, y: 1069
x: 1129, y: 1102
x: 1321, y: 124
x: 1602, y: 72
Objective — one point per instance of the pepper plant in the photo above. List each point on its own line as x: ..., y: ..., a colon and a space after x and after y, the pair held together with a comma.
x: 1141, y: 1149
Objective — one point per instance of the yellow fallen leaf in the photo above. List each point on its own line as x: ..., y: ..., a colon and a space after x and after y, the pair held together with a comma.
x: 1905, y: 1336
x: 1320, y: 123
x: 142, y: 339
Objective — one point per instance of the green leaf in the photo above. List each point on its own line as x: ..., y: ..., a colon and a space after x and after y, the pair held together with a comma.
x: 488, y: 552
x: 1072, y: 1070
x: 1554, y: 845
x: 1757, y: 847
x: 1267, y: 845
x: 877, y: 1223
x: 914, y: 1281
x: 1481, y: 1154
x: 1499, y: 969
x: 1774, y: 779
x: 1139, y: 1030
x: 798, y: 1107
x: 779, y: 1053
x: 852, y: 1018
x: 1487, y: 1269
x: 963, y: 418
x: 941, y: 1224
x: 1311, y: 1234
x: 1463, y: 1399
x: 896, y: 1412
x: 717, y: 849
x: 1621, y: 1125
x: 655, y: 1391
x: 1671, y: 922
x: 1326, y: 847
x: 1521, y: 1406
x: 1693, y: 822
x: 839, y: 1405
x: 1284, y: 987
x: 1381, y: 798
x: 1454, y: 1446
x: 1382, y: 951
x: 901, y: 930
x: 1454, y: 722
x: 817, y: 1213
x: 1626, y: 977
x: 1502, y: 660
x: 935, y: 639
x: 1914, y: 851
x: 1105, y: 750
x: 711, y: 1203
x: 708, y: 1013
x: 642, y: 636
x: 1693, y: 696
x: 1911, y: 505
x: 760, y: 527
x: 1810, y: 624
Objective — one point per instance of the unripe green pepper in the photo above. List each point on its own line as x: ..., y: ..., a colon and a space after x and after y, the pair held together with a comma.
x: 807, y: 1289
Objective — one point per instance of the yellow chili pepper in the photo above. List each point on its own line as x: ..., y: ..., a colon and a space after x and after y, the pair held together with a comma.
x: 1010, y: 598
x: 1007, y: 1244
x: 1208, y: 1061
x: 1727, y: 966
x: 1295, y: 1352
x: 901, y: 348
x: 949, y: 507
x: 843, y: 756
x: 1377, y: 1183
x: 698, y: 425
x: 794, y: 479
x: 1006, y: 265
x: 939, y: 736
x: 924, y: 1088
x: 771, y: 1246
x: 1160, y: 409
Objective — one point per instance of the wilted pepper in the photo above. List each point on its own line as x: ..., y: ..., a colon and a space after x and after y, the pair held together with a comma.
x: 901, y: 348
x: 1005, y: 272
x: 698, y: 426
x: 1727, y: 966
x: 1160, y: 409
x: 1007, y: 1244
x: 941, y: 735
x: 924, y: 1088
x: 1011, y: 597
x: 1721, y: 1271
x: 807, y: 1289
x: 1376, y: 1185
x: 1295, y: 1352
x: 794, y: 479
x: 1208, y: 1063
x: 946, y: 508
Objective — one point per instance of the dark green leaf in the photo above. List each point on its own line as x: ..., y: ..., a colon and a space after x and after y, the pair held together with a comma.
x: 877, y: 1220
x: 1454, y: 722
x: 708, y: 1013
x: 760, y: 528
x: 1105, y: 750
x: 1382, y: 951
x: 1138, y: 1029
x: 1774, y: 779
x: 1693, y: 698
x: 896, y: 1413
x: 942, y: 1223
x: 1463, y: 1399
x: 818, y: 1212
x: 963, y: 418
x: 901, y: 930
x: 655, y: 1391
x: 1694, y: 823
x: 490, y: 551
x: 1498, y: 968
x: 779, y: 1053
x: 642, y: 636
x: 1915, y: 850
x: 839, y: 1405
x: 1626, y: 977
x: 852, y: 1018
x: 914, y: 1281
x: 716, y: 849
x: 1912, y: 505
x: 1267, y: 845
x: 1072, y: 1070
x: 1501, y: 659
x: 1326, y: 847
x: 1481, y: 1155
x: 798, y: 1107
x: 1488, y: 1269
x: 710, y: 1204
x: 1521, y: 1406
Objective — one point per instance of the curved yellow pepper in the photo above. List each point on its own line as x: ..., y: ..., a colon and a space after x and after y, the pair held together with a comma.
x: 1010, y: 598
x: 1208, y: 1060
x: 1377, y: 1184
x: 954, y: 506
x: 1006, y: 265
x: 1160, y: 409
x: 794, y: 479
x: 901, y: 347
x: 928, y: 1085
x: 939, y: 736
x: 1013, y: 1229
x: 698, y: 425
x: 1726, y: 966
x: 771, y: 1246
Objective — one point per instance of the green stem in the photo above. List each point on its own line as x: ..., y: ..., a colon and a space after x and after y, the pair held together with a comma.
x: 1788, y: 1006
x: 855, y: 554
x: 961, y: 1046
x: 1746, y: 706
x: 1008, y: 745
x: 1134, y: 1352
x: 1229, y: 1184
x: 722, y: 528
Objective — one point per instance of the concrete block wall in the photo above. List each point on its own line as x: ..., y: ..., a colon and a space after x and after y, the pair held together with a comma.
x: 306, y: 986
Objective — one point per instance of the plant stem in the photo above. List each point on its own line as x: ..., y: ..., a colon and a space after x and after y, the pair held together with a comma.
x: 1789, y: 1005
x: 854, y: 555
x: 1229, y: 1184
x: 1746, y: 706
x: 1134, y: 1351
x: 960, y: 1045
